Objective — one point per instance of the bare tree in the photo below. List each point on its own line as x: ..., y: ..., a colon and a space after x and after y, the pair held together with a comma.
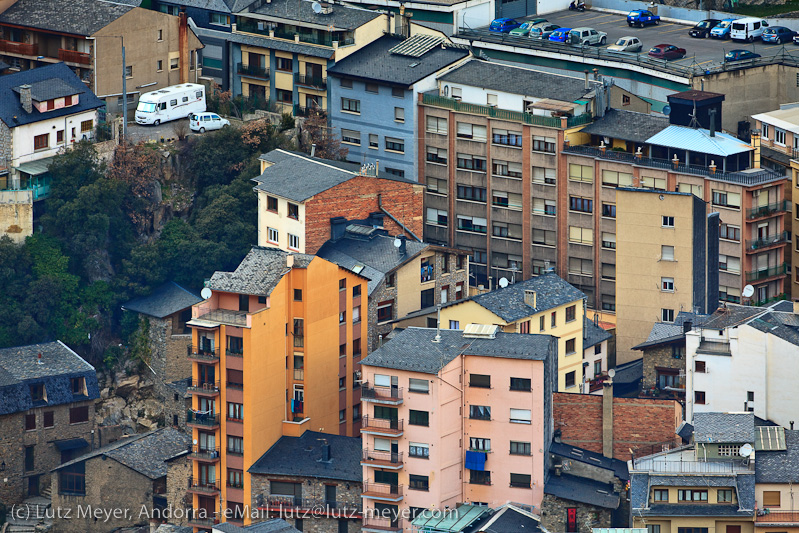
x: 328, y: 144
x: 180, y: 128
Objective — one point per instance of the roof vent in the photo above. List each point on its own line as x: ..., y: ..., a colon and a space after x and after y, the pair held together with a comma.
x: 529, y: 298
x: 480, y: 331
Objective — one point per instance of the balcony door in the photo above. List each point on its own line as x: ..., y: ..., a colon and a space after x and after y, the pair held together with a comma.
x: 207, y: 474
x: 312, y: 70
x: 207, y: 406
x: 207, y: 441
x: 256, y: 60
x: 387, y: 477
x: 207, y: 374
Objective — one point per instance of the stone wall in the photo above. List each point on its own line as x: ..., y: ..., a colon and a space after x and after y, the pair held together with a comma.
x: 554, y: 515
x: 381, y: 294
x: 170, y: 363
x: 177, y: 479
x: 662, y: 357
x: 16, y: 215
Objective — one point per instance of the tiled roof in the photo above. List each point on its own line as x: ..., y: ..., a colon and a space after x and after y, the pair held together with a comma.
x: 47, y: 79
x: 19, y: 367
x: 593, y: 334
x: 583, y: 490
x: 641, y: 483
x: 258, y: 273
x: 574, y: 453
x: 281, y: 45
x: 518, y: 80
x: 78, y: 17
x: 626, y: 125
x: 376, y: 62
x: 413, y: 349
x: 724, y: 427
x: 167, y: 299
x: 302, y: 457
x: 298, y: 176
x: 219, y: 6
x: 301, y: 11
x: 779, y: 466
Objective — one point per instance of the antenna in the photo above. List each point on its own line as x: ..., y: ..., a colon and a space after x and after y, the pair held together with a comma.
x: 39, y: 359
x: 317, y: 8
x: 438, y: 324
x: 206, y: 293
x: 503, y: 282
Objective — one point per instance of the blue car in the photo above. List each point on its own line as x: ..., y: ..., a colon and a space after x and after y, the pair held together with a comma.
x: 642, y: 17
x: 561, y: 35
x: 722, y: 29
x: 504, y: 25
x: 777, y: 34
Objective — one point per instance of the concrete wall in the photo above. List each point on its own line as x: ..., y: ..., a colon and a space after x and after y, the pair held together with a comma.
x: 281, y: 222
x: 16, y: 215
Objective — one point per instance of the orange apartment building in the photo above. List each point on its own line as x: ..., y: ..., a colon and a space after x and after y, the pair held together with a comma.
x: 268, y: 342
x: 455, y: 416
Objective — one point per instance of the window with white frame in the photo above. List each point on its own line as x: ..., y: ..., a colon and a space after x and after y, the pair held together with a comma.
x: 779, y: 136
x: 399, y: 114
x: 668, y: 222
x: 667, y: 284
x: 667, y: 315
x: 609, y: 241
x: 272, y: 235
x: 294, y: 241
x: 520, y: 416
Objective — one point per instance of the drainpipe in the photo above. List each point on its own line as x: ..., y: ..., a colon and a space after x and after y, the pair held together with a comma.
x: 403, y: 226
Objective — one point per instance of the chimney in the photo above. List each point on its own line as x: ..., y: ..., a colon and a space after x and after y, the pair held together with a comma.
x: 756, y: 145
x: 289, y: 260
x: 796, y: 308
x: 607, y: 418
x: 338, y: 227
x: 597, y: 76
x: 403, y: 247
x: 686, y: 326
x: 791, y: 425
x: 405, y: 23
x: 587, y: 83
x: 313, y: 150
x: 529, y: 298
x: 183, y: 46
x: 376, y: 219
x: 25, y: 98
x: 712, y: 126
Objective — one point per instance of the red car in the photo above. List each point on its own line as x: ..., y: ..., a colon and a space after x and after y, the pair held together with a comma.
x: 667, y: 51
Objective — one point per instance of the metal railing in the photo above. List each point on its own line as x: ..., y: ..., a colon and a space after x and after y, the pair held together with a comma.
x: 383, y: 456
x: 211, y: 387
x: 73, y: 56
x: 780, y: 270
x: 780, y: 238
x: 766, y: 210
x: 392, y: 425
x: 198, y: 352
x: 316, y: 504
x: 310, y: 81
x: 203, y: 485
x: 767, y: 515
x: 382, y: 489
x: 201, y: 419
x: 389, y: 394
x: 207, y: 454
x: 691, y: 467
x: 252, y: 71
x: 749, y: 178
x: 19, y: 48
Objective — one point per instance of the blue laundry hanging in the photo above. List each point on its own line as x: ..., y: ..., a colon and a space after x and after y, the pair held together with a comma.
x: 476, y: 460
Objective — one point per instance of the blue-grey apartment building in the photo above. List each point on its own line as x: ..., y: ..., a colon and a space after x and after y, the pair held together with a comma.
x: 373, y: 96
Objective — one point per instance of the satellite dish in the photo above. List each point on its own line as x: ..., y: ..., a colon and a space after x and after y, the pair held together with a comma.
x: 503, y: 282
x: 746, y: 450
x: 206, y: 293
x: 397, y: 243
x: 317, y: 8
x: 748, y: 291
x: 195, y: 442
x: 612, y: 373
x: 667, y: 110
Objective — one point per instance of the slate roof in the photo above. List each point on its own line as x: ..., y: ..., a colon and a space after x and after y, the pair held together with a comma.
x: 78, y: 17
x: 171, y: 528
x: 782, y: 325
x: 641, y: 483
x: 593, y: 334
x: 665, y: 332
x: 518, y: 80
x: 49, y: 79
x: 567, y: 451
x: 258, y: 273
x: 724, y: 427
x: 507, y: 519
x: 167, y: 299
x: 299, y: 12
x: 41, y: 91
x: 298, y: 176
x: 629, y: 372
x: 376, y: 62
x: 583, y: 490
x: 265, y: 42
x: 785, y: 306
x: 779, y: 466
x: 302, y: 457
x: 627, y: 125
x: 144, y: 453
x: 219, y: 6
x: 19, y: 369
x: 413, y: 349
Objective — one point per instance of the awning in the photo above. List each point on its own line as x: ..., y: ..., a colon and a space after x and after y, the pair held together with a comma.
x: 36, y: 168
x: 554, y: 105
x: 71, y: 444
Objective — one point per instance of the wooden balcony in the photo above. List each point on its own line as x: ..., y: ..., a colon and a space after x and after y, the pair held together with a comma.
x: 73, y: 56
x: 23, y: 49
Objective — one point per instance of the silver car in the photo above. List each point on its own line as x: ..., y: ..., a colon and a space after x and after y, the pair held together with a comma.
x: 627, y: 44
x: 587, y: 36
x: 542, y: 31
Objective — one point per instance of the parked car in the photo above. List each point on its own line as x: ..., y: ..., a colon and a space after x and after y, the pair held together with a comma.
x: 796, y: 39
x: 667, y: 51
x: 740, y: 55
x: 747, y: 29
x: 722, y: 29
x: 542, y: 31
x: 587, y: 36
x: 504, y: 25
x: 526, y: 26
x: 703, y: 28
x: 207, y: 121
x: 777, y: 34
x: 642, y: 17
x: 560, y: 35
x: 627, y: 44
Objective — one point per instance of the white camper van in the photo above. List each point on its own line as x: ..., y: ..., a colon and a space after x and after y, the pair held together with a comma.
x: 170, y: 103
x: 747, y: 29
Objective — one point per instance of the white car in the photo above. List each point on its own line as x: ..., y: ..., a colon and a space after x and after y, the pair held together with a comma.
x: 207, y: 121
x: 587, y: 37
x: 626, y: 44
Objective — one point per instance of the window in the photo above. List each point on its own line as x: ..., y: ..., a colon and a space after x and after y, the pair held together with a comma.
x: 519, y: 448
x: 235, y: 411
x: 696, y: 190
x: 699, y: 397
x: 474, y: 194
x: 78, y: 415
x: 395, y: 145
x: 294, y: 211
x: 667, y: 253
x: 541, y: 323
x: 655, y: 528
x: 30, y: 422
x: 480, y: 412
x: 356, y: 314
x: 59, y: 136
x: 437, y: 155
x: 659, y: 184
x: 609, y: 241
x: 554, y: 319
x: 479, y: 257
x: 348, y: 105
x: 692, y: 495
x: 271, y: 204
x: 399, y: 114
x: 571, y: 346
x: 583, y: 173
x: 37, y: 392
x: 771, y: 498
x: 729, y: 263
x: 479, y: 444
x: 491, y: 100
x: 29, y: 458
x: 779, y: 136
x: 356, y: 412
x: 417, y: 449
x: 667, y: 284
x: 272, y: 235
x: 472, y: 132
x: 544, y: 144
x: 506, y: 169
x: 416, y: 482
x: 436, y: 125
x: 480, y: 380
x: 161, y: 33
x: 49, y: 419
x: 421, y: 386
x: 284, y: 96
x: 616, y: 179
x: 726, y: 199
x: 234, y: 478
x: 345, y: 83
x: 668, y: 222
x: 730, y: 232
x: 41, y: 142
x: 667, y: 315
x: 86, y: 126
x: 219, y: 19
x: 506, y: 138
x: 475, y: 224
x: 507, y: 231
x: 342, y: 317
x: 418, y: 418
x: 580, y: 235
x: 609, y: 210
x: 581, y: 267
x: 524, y: 327
x: 286, y: 64
x: 724, y: 496
x: 520, y: 480
x: 479, y: 477
x: 294, y: 241
x: 582, y: 205
x: 520, y: 416
x: 728, y: 450
x: 398, y: 92
x: 523, y: 384
x: 128, y: 71
x: 342, y: 415
x: 456, y: 93
x: 395, y: 171
x: 372, y: 88
x: 544, y: 207
x: 660, y: 495
x: 351, y: 137
x: 608, y: 304
x: 374, y: 141
x: 571, y: 313
x: 544, y: 176
x: 471, y: 162
x: 385, y: 310
x: 235, y: 445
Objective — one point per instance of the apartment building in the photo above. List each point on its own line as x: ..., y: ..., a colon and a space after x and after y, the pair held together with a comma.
x: 299, y: 196
x: 248, y: 388
x: 160, y: 49
x: 775, y: 475
x: 595, y: 356
x: 455, y: 416
x: 667, y: 240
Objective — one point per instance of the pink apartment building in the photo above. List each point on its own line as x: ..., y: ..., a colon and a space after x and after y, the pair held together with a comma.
x: 455, y: 416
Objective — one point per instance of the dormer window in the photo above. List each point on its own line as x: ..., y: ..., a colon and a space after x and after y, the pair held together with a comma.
x: 37, y: 393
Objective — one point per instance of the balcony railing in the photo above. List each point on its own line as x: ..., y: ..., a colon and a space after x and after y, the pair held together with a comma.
x: 203, y: 354
x: 382, y: 524
x: 204, y: 387
x: 203, y: 485
x: 755, y: 275
x: 382, y: 456
x: 310, y: 81
x: 235, y: 385
x: 204, y: 454
x: 378, y: 490
x: 73, y: 56
x: 767, y: 210
x: 202, y: 419
x: 318, y: 506
x: 202, y: 518
x: 252, y: 71
x: 780, y: 238
x: 384, y: 424
x: 19, y: 48
x: 782, y: 517
x: 299, y: 374
x: 391, y: 395
x: 691, y: 467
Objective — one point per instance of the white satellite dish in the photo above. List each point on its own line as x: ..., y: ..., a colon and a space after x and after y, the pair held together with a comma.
x: 195, y: 442
x: 746, y: 450
x: 206, y: 293
x: 317, y: 8
x: 503, y: 282
x: 612, y: 373
x: 748, y: 291
x: 397, y: 243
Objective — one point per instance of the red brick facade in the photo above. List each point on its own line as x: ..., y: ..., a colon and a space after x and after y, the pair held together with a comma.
x: 355, y: 199
x: 638, y: 423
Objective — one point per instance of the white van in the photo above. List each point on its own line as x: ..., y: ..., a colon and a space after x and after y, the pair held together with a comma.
x: 170, y: 103
x: 747, y: 29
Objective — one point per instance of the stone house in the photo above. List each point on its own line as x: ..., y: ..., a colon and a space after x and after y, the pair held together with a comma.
x: 47, y: 395
x: 129, y: 476
x: 312, y: 481
x: 663, y: 354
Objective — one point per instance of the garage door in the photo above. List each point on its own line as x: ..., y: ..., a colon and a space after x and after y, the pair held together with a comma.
x: 516, y: 8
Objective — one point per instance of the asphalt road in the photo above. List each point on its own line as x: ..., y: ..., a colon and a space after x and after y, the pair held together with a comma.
x: 140, y: 132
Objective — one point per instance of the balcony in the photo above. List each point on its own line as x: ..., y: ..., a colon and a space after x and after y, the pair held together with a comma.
x: 314, y: 82
x: 201, y: 420
x: 756, y: 245
x: 277, y: 502
x: 378, y: 394
x: 381, y: 426
x: 768, y: 517
x: 204, y: 388
x: 382, y: 459
x: 203, y: 486
x: 252, y: 71
x: 205, y: 455
x: 377, y: 525
x: 19, y: 48
x: 382, y: 491
x: 766, y: 273
x: 200, y: 518
x: 656, y: 464
x: 73, y: 56
x: 767, y: 210
x: 202, y: 355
